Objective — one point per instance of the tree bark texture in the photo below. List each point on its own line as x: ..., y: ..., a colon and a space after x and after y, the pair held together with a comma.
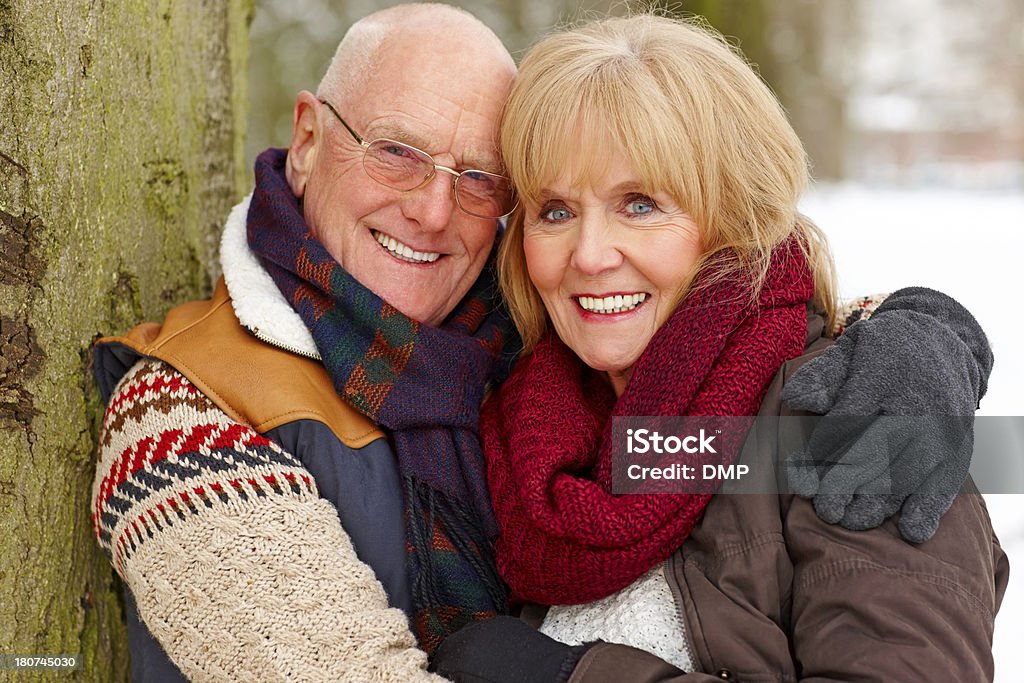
x: 121, y: 152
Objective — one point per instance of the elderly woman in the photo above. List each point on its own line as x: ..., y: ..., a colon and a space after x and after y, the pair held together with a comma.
x: 659, y: 266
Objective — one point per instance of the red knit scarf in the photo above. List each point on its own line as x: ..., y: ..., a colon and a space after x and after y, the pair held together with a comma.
x: 565, y: 539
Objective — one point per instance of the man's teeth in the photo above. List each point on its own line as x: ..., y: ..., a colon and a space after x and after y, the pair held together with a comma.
x: 612, y: 304
x: 404, y: 251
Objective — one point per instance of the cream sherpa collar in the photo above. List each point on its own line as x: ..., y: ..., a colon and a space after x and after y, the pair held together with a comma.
x: 258, y: 303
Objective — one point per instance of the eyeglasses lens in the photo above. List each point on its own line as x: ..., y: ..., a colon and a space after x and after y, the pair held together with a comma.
x: 484, y: 194
x: 396, y: 165
x: 401, y: 167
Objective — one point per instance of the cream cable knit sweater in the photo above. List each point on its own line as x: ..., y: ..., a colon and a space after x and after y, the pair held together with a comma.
x: 240, y: 570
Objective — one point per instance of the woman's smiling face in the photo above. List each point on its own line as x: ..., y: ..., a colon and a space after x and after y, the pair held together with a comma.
x: 608, y: 260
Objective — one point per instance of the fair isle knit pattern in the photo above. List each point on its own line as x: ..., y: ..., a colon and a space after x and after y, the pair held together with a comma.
x: 852, y: 310
x: 239, y: 569
x: 201, y: 460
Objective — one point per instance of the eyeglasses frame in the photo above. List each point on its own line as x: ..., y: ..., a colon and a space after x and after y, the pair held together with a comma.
x: 430, y: 176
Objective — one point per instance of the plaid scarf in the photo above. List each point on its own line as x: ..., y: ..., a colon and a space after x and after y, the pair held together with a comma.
x: 423, y: 383
x: 565, y: 539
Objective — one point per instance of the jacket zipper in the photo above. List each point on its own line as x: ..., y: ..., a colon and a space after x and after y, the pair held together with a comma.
x: 677, y: 594
x: 273, y: 342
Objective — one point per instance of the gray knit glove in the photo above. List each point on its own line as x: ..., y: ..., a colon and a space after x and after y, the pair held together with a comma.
x: 920, y: 354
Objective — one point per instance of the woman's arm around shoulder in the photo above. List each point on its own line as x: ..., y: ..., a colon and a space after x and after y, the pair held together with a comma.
x: 867, y: 605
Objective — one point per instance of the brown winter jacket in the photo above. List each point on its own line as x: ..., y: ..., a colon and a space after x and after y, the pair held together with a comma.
x: 769, y: 592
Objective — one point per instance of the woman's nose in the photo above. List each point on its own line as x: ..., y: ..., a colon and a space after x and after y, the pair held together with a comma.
x: 595, y: 251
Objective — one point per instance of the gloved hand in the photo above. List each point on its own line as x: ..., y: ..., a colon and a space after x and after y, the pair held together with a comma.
x: 505, y: 650
x: 920, y: 354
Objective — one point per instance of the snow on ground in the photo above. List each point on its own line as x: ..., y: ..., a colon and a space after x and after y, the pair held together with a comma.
x: 971, y: 246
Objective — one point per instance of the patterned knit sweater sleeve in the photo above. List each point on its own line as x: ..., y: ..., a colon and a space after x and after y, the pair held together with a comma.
x: 852, y: 310
x: 240, y: 570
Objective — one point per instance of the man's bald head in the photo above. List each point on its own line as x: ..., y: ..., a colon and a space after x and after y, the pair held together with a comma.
x: 433, y: 26
x: 434, y: 78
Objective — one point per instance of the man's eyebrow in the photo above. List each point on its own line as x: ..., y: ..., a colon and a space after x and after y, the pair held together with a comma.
x: 485, y: 161
x: 392, y: 132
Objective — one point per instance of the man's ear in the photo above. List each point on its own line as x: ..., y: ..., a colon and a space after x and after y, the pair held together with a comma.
x: 305, y: 141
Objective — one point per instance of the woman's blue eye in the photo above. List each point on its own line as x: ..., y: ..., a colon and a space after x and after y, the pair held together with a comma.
x: 640, y: 206
x: 557, y: 215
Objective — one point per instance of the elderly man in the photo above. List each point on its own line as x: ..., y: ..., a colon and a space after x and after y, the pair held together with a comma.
x: 250, y: 433
x: 289, y: 473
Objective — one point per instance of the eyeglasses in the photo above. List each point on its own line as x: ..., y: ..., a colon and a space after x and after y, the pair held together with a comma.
x: 405, y: 168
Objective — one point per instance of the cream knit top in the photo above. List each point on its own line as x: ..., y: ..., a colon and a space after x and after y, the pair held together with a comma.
x: 643, y: 614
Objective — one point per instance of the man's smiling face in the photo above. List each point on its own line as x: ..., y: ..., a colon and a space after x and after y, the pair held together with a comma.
x: 417, y: 250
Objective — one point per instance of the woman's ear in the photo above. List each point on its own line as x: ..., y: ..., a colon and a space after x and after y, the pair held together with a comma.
x: 305, y: 141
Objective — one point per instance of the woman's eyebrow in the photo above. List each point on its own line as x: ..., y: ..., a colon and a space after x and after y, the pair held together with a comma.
x: 546, y: 195
x: 627, y: 186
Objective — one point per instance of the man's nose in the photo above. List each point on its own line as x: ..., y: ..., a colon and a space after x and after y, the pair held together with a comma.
x: 432, y: 204
x: 595, y: 252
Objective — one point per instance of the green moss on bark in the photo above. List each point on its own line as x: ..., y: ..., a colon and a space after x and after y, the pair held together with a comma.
x: 120, y: 155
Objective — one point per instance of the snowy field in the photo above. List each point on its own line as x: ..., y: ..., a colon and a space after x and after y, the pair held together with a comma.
x: 971, y: 246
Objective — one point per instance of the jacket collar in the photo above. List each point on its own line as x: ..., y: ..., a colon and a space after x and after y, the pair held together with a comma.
x: 258, y: 303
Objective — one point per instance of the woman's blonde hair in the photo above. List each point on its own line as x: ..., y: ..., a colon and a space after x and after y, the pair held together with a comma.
x: 694, y: 120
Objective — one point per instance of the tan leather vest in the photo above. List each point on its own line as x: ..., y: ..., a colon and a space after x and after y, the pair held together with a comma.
x: 253, y: 382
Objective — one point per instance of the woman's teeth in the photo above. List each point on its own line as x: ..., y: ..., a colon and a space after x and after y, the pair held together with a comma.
x: 620, y: 303
x: 404, y: 251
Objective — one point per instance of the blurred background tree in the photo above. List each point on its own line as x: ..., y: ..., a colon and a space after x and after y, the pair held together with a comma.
x: 921, y: 91
x: 785, y: 39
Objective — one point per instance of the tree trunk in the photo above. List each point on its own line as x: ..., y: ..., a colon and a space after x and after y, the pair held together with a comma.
x: 121, y: 152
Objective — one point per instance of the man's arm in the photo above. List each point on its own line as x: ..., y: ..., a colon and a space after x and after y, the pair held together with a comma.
x: 920, y: 354
x: 239, y: 569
